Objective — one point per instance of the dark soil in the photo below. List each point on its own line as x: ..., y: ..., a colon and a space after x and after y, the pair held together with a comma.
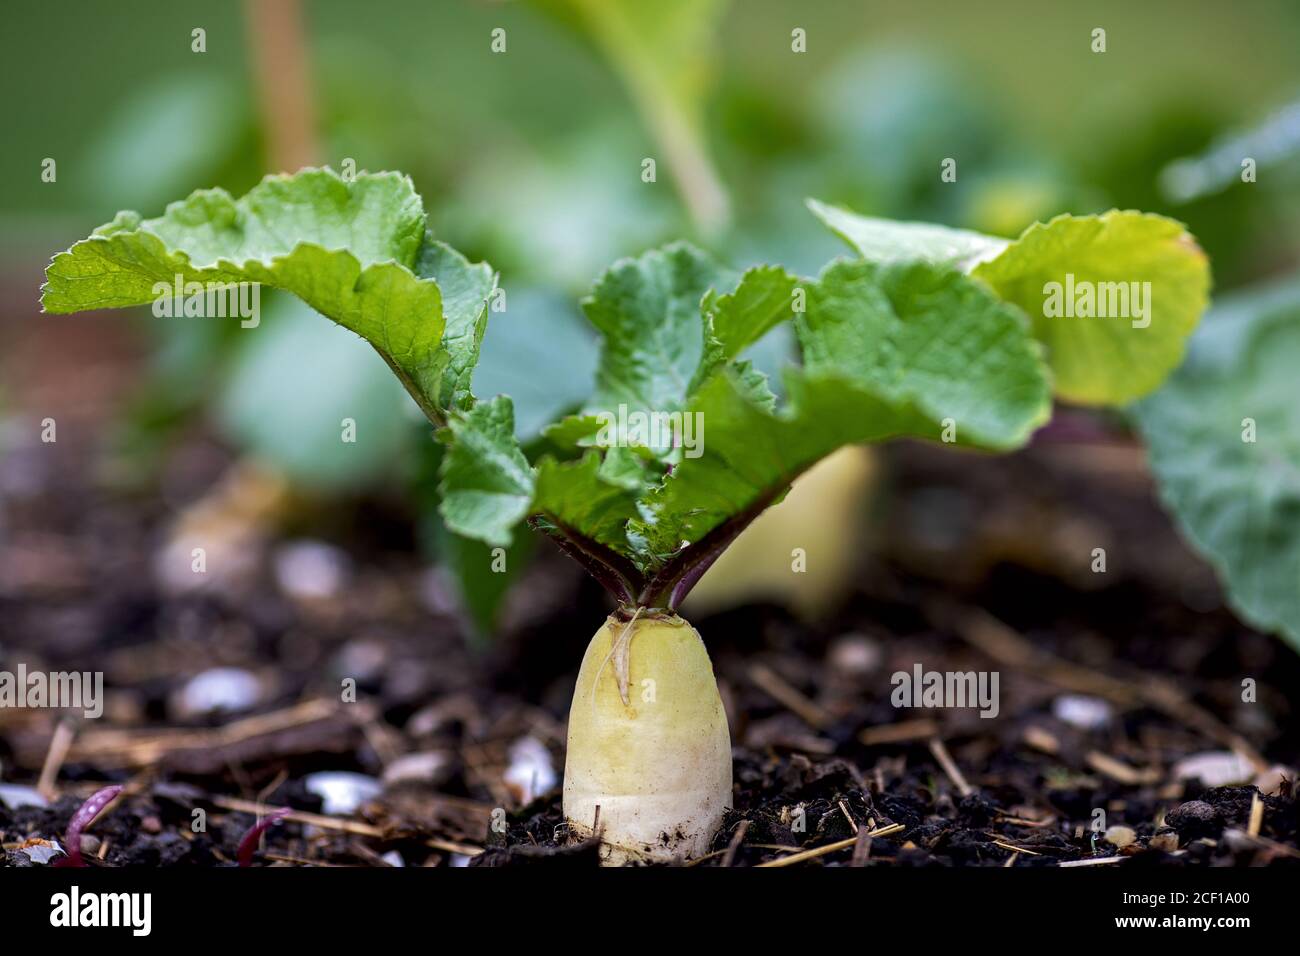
x: 976, y: 563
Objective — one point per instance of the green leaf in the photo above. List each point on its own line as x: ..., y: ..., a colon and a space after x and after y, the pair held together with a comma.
x: 1238, y: 501
x: 735, y: 321
x: 487, y: 484
x: 465, y: 287
x: 1112, y: 360
x: 888, y: 351
x: 1151, y: 265
x: 647, y: 311
x: 653, y: 313
x: 929, y: 338
x: 574, y: 431
x: 629, y: 468
x: 346, y: 248
x: 887, y: 240
x: 585, y: 496
x: 751, y: 455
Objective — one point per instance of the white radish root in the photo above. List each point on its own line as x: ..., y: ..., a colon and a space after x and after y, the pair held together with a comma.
x: 648, y: 742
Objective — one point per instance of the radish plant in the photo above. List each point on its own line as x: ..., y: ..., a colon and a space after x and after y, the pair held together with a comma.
x: 929, y: 333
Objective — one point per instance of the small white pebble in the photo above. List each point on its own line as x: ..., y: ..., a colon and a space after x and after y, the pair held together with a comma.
x: 1082, y: 711
x: 1120, y: 837
x: 14, y: 796
x: 437, y: 593
x: 854, y: 655
x: 531, y: 772
x: 341, y: 792
x: 42, y: 851
x: 1215, y: 768
x: 1238, y: 841
x: 227, y: 689
x: 424, y: 767
x: 361, y: 659
x: 310, y: 570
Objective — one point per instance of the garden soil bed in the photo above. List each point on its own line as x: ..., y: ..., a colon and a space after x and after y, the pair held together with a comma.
x: 1109, y: 681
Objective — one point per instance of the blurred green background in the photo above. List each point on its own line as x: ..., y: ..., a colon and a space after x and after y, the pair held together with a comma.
x: 531, y: 158
x: 1038, y: 122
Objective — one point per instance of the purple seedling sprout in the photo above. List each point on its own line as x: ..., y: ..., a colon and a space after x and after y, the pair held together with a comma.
x: 249, y: 842
x: 83, y: 818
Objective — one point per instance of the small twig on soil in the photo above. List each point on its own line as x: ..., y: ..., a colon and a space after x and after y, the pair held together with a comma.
x: 383, y: 740
x: 949, y: 767
x: 302, y: 861
x: 1256, y: 815
x: 736, y: 839
x: 371, y: 857
x: 1022, y: 822
x: 861, y: 848
x: 240, y: 775
x: 1010, y: 861
x: 274, y: 785
x: 1269, y: 844
x: 901, y: 732
x: 142, y: 748
x: 1100, y: 861
x: 848, y: 816
x: 776, y: 687
x: 1015, y: 849
x: 334, y: 823
x: 60, y: 743
x: 985, y: 632
x: 812, y: 854
x: 1119, y: 771
x: 708, y: 856
x: 1041, y: 740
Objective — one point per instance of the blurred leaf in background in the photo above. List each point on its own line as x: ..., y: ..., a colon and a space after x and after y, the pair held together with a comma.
x: 478, y: 575
x: 481, y: 575
x: 893, y: 115
x: 1223, y: 436
x: 542, y: 354
x: 1243, y: 190
x: 294, y: 385
x: 665, y: 55
x: 189, y: 130
x: 555, y: 214
x: 1127, y: 174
